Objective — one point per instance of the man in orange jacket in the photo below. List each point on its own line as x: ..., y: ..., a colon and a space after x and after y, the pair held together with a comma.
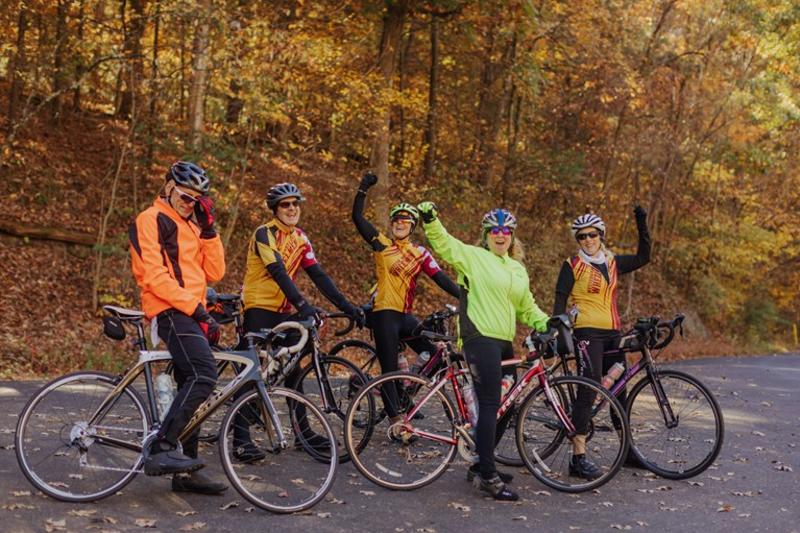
x: 175, y: 251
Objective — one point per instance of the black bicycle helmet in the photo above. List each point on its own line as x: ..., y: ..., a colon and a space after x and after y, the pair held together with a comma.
x: 278, y: 192
x: 189, y: 175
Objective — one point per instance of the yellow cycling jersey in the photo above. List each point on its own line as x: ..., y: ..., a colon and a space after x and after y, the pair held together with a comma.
x: 595, y: 297
x: 397, y: 265
x: 270, y: 243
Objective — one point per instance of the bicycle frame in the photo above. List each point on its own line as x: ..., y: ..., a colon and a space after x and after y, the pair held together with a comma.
x: 250, y: 373
x: 536, y: 371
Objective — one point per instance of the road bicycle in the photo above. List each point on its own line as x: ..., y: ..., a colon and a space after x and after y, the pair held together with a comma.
x: 327, y: 380
x: 677, y: 427
x: 84, y: 436
x: 415, y: 450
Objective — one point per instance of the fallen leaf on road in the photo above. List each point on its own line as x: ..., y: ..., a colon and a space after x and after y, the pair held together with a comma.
x: 620, y: 526
x: 324, y: 515
x: 337, y: 501
x: 783, y: 468
x: 229, y: 505
x: 743, y: 515
x: 696, y: 483
x: 82, y: 512
x: 726, y: 508
x: 664, y: 487
x: 185, y: 513
x: 541, y: 493
x: 20, y: 493
x: 249, y: 509
x: 521, y: 518
x: 460, y: 506
x: 642, y: 524
x: 367, y: 492
x: 758, y: 434
x: 55, y: 525
x: 607, y: 504
x: 15, y: 506
x: 193, y: 527
x: 145, y: 522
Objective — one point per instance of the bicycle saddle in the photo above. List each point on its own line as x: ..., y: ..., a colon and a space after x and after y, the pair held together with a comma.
x: 128, y: 315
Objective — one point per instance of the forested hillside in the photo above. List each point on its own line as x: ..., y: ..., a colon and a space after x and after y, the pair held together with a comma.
x: 548, y: 107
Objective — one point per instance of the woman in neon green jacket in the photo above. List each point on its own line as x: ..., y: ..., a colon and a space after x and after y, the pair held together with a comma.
x: 495, y: 293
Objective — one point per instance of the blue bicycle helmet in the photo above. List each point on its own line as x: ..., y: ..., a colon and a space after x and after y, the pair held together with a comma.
x: 189, y: 175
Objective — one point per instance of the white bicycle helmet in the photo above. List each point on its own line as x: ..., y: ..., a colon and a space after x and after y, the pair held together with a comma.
x: 589, y: 220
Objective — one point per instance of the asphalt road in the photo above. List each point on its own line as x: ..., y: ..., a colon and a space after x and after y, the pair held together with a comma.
x: 753, y: 486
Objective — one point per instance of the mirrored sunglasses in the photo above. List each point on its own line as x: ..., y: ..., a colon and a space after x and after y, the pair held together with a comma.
x: 186, y: 198
x: 497, y: 230
x: 590, y: 235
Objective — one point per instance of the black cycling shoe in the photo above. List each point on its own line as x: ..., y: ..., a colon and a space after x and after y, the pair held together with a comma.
x: 582, y: 467
x: 248, y: 452
x: 473, y: 471
x: 495, y: 487
x: 170, y: 462
x: 197, y: 482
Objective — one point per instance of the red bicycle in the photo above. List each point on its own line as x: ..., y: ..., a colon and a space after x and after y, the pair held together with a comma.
x: 417, y: 447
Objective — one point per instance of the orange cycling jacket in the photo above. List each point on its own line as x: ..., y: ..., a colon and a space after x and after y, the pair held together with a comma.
x: 170, y: 262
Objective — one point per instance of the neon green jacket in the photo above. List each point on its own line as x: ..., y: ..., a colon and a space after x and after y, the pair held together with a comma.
x: 497, y: 288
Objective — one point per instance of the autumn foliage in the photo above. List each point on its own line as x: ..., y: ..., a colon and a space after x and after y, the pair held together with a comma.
x: 550, y: 108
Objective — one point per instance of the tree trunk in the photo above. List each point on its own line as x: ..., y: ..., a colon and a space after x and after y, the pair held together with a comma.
x: 235, y: 104
x: 33, y: 231
x: 133, y: 70
x: 197, y: 91
x: 433, y: 88
x: 393, y: 21
x: 79, y: 65
x: 404, y: 54
x: 58, y: 60
x: 154, y: 90
x: 18, y: 66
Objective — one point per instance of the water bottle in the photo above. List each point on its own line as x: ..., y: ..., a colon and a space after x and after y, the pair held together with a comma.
x: 505, y: 385
x: 613, y: 375
x: 164, y: 393
x: 422, y: 360
x: 471, y: 403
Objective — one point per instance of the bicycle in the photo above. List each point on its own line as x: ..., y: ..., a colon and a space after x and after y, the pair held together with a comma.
x: 366, y: 356
x: 677, y: 427
x: 84, y: 436
x: 327, y: 380
x: 429, y: 443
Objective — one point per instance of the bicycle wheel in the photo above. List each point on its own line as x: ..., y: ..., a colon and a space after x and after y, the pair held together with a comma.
x: 506, y: 451
x: 344, y: 379
x: 685, y: 448
x: 69, y: 450
x: 359, y: 352
x: 289, y: 479
x: 545, y: 444
x: 391, y: 461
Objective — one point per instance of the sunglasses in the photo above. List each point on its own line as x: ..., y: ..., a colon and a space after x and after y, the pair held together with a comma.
x: 403, y: 218
x: 186, y: 198
x: 590, y: 235
x: 497, y: 230
x: 288, y: 204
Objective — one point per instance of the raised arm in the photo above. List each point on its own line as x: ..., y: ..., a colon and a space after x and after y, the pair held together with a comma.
x: 432, y: 269
x: 629, y: 263
x: 446, y: 246
x: 364, y: 227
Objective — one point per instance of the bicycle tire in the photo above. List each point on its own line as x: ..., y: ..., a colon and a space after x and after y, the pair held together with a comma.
x: 50, y: 446
x: 396, y: 464
x: 344, y: 383
x: 359, y: 352
x: 544, y: 443
x: 275, y: 483
x: 506, y: 452
x: 674, y: 453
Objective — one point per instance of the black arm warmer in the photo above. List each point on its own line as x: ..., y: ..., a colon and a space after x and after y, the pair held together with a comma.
x: 446, y: 284
x: 367, y: 230
x: 278, y: 272
x: 326, y: 286
x: 566, y: 280
x: 629, y: 263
